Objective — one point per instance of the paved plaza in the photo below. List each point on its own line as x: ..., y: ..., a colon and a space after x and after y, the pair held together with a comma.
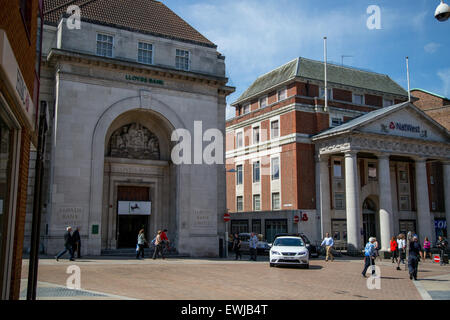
x: 223, y: 279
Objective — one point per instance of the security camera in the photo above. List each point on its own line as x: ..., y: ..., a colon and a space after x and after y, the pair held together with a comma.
x: 442, y: 12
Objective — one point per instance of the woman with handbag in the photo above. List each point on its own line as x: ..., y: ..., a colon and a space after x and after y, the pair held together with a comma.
x: 140, y: 244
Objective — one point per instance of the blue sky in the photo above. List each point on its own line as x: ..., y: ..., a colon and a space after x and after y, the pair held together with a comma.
x: 257, y: 36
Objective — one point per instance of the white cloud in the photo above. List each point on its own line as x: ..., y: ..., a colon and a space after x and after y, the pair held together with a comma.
x: 444, y: 75
x: 431, y: 47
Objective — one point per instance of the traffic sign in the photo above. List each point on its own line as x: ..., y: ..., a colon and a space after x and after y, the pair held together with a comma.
x: 226, y: 217
x: 437, y: 259
x: 296, y: 219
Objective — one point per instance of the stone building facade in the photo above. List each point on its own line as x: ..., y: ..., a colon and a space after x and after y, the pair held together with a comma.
x: 119, y: 88
x: 294, y: 157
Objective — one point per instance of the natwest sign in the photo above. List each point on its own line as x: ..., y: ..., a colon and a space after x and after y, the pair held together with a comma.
x: 405, y: 127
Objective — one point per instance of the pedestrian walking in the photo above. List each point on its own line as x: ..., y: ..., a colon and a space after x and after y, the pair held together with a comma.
x: 377, y: 249
x: 158, y: 246
x: 237, y: 246
x: 165, y: 243
x: 394, y: 249
x: 414, y: 257
x: 77, y: 242
x: 68, y: 245
x: 401, y: 245
x: 426, y: 249
x: 141, y: 241
x: 253, y: 241
x: 442, y: 246
x: 328, y: 242
x: 369, y: 256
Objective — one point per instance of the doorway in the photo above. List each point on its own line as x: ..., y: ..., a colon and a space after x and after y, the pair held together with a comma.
x: 129, y: 225
x: 369, y: 224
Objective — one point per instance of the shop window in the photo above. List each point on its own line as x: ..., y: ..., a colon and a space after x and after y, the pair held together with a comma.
x: 239, y: 226
x: 256, y: 226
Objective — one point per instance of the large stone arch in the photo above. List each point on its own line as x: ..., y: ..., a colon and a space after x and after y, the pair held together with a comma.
x: 145, y: 101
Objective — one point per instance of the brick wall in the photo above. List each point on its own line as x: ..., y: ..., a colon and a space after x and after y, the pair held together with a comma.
x: 435, y: 107
x: 24, y: 46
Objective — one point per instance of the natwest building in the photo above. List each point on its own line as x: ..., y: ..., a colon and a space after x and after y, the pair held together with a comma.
x: 353, y: 168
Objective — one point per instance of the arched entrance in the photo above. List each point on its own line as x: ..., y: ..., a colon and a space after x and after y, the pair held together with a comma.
x: 138, y: 183
x: 369, y: 210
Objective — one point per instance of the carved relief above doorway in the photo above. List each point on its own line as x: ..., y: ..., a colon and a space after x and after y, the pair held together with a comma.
x: 134, y: 141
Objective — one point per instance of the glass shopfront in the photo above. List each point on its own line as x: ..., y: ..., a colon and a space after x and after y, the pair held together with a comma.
x: 6, y: 136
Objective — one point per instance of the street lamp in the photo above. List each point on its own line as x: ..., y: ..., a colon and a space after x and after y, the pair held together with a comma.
x: 442, y: 12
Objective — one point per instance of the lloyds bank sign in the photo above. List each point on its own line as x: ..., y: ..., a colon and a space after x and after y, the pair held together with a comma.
x: 143, y: 79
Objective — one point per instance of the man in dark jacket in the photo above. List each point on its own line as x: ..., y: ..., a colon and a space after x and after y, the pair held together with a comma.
x: 442, y: 246
x: 413, y: 259
x: 77, y: 242
x: 68, y: 245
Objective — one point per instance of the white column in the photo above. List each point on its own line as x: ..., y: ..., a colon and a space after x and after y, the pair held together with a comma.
x: 352, y: 202
x: 446, y: 178
x: 386, y: 212
x: 324, y: 194
x: 423, y: 202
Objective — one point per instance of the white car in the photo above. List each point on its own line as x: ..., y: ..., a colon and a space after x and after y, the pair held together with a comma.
x: 289, y: 250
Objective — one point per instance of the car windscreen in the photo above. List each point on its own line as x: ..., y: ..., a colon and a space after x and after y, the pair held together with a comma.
x: 288, y: 242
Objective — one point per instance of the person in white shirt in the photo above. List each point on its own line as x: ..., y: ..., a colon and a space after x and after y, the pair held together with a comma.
x: 401, y: 244
x: 328, y: 242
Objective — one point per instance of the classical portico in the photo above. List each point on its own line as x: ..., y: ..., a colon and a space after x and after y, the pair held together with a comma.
x: 373, y: 147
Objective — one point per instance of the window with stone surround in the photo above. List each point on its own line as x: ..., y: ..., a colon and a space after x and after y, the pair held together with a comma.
x: 239, y: 175
x: 145, y: 53
x: 256, y: 202
x: 274, y: 129
x: 239, y: 140
x: 105, y: 45
x: 276, y: 201
x: 256, y: 172
x: 263, y: 102
x: 282, y: 94
x: 239, y: 203
x: 339, y: 201
x: 182, y: 59
x: 275, y: 168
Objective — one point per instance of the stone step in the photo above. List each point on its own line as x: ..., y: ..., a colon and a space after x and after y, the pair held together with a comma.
x: 132, y: 252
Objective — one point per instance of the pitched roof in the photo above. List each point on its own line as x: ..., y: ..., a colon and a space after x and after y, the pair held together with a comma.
x: 372, y: 116
x: 145, y: 16
x: 429, y: 92
x: 312, y: 69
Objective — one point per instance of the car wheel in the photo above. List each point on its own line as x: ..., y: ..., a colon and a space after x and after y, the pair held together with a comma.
x: 307, y: 266
x: 272, y: 265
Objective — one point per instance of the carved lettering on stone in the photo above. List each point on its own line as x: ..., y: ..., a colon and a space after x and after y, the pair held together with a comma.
x: 134, y: 141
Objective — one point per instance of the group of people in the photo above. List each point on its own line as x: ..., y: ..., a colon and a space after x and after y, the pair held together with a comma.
x: 72, y: 244
x: 161, y: 242
x: 252, y: 243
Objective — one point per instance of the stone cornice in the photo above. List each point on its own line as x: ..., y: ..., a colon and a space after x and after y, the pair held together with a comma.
x: 393, y: 145
x: 57, y: 55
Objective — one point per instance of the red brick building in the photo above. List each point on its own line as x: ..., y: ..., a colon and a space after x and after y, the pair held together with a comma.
x: 19, y: 87
x: 280, y: 144
x: 434, y: 105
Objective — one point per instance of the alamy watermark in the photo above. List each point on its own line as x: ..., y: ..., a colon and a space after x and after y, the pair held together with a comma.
x: 374, y: 281
x: 74, y: 280
x: 374, y: 20
x: 74, y: 21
